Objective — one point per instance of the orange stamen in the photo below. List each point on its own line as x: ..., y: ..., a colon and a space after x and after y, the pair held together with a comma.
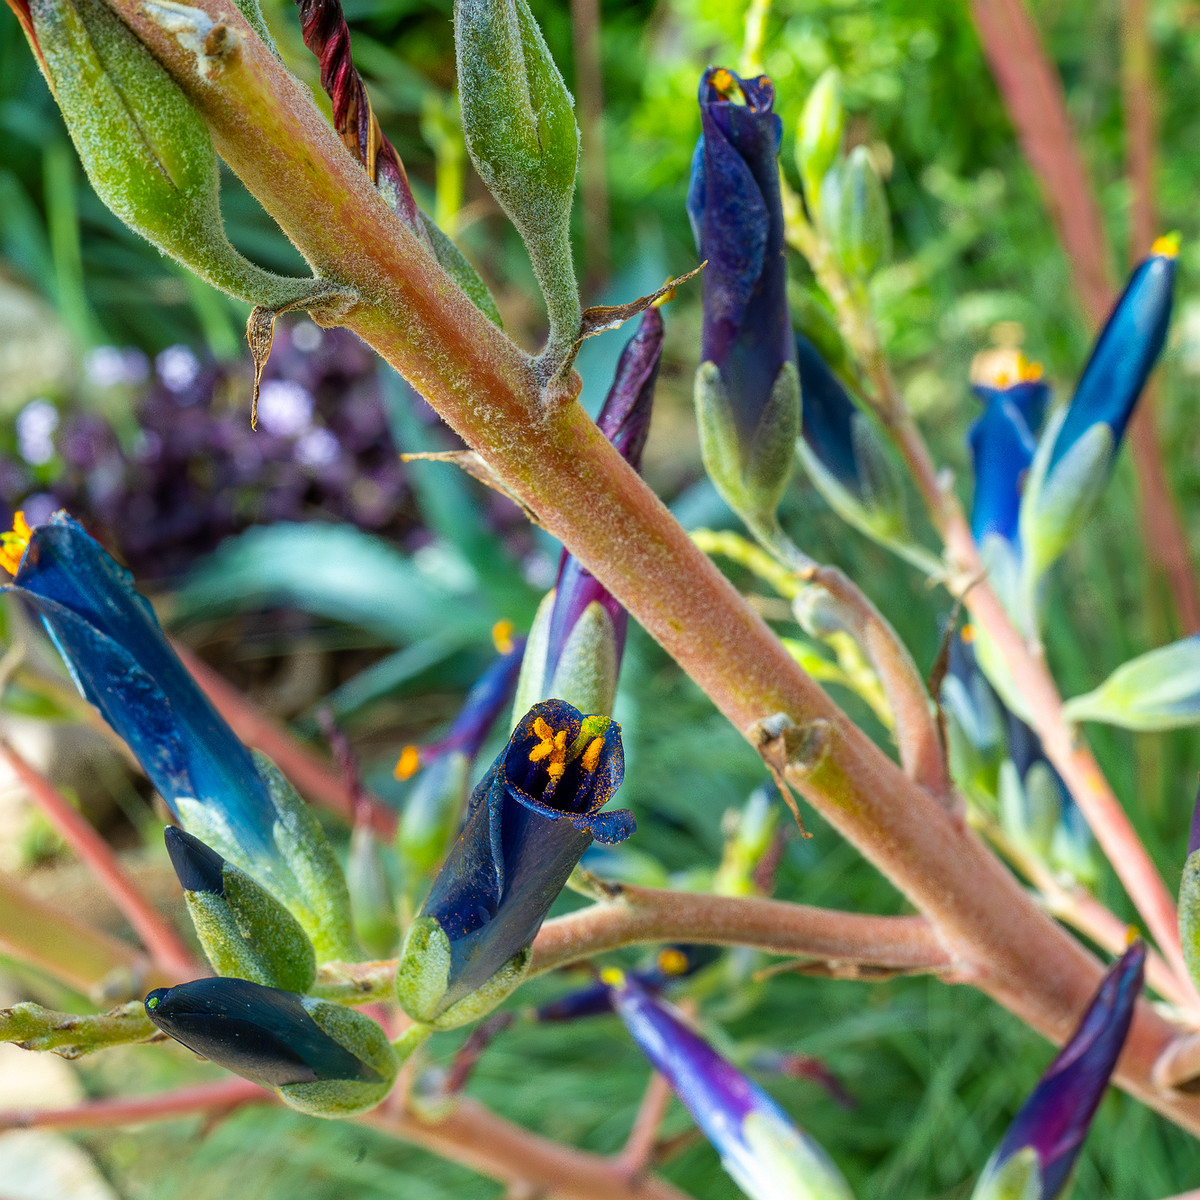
x: 14, y: 544
x: 502, y: 636
x: 408, y: 763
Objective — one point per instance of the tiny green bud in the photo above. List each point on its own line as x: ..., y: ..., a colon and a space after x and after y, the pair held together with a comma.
x: 372, y: 901
x: 432, y: 812
x: 146, y: 150
x: 862, y: 230
x: 586, y: 675
x: 819, y: 132
x: 531, y: 683
x: 519, y: 124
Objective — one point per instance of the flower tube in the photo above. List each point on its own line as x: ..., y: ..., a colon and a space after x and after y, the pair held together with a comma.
x: 578, y: 635
x: 767, y: 1156
x: 323, y: 1059
x: 122, y: 663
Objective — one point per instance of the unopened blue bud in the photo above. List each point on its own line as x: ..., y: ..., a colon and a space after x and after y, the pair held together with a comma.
x: 320, y: 1058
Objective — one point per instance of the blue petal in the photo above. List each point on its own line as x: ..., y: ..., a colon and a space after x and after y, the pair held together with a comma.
x: 1123, y: 357
x: 1002, y: 449
x: 827, y: 415
x: 121, y: 661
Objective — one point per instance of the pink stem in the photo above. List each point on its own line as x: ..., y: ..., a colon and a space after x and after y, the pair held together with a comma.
x: 163, y: 944
x: 223, y: 1095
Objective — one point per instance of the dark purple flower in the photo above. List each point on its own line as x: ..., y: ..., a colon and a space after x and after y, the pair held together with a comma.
x: 737, y: 219
x: 767, y: 1156
x: 1054, y: 1121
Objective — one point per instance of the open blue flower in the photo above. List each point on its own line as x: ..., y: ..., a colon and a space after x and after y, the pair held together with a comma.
x: 767, y: 1156
x: 528, y: 823
x: 1037, y: 1153
x: 122, y: 663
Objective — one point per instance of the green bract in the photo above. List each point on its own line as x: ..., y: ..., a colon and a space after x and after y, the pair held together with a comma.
x: 146, y: 150
x: 1157, y: 690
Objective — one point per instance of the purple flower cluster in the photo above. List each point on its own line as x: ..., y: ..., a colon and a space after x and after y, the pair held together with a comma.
x: 192, y: 472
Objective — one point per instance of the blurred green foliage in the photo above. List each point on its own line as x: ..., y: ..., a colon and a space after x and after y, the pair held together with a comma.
x: 937, y: 1071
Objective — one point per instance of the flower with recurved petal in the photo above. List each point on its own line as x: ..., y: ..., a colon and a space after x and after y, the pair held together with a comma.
x: 528, y: 823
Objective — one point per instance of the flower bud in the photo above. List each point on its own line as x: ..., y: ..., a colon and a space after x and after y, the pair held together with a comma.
x: 372, y: 899
x: 1155, y: 691
x: 320, y: 1058
x: 1075, y: 454
x: 578, y: 634
x: 847, y: 461
x: 861, y: 225
x: 747, y: 390
x: 245, y: 931
x: 529, y: 821
x: 146, y: 150
x: 1035, y: 1158
x: 519, y: 124
x: 819, y: 132
x: 766, y: 1155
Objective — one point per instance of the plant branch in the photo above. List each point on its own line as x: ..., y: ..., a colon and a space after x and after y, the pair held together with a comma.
x: 164, y: 945
x: 311, y: 775
x: 638, y: 1152
x: 478, y: 1138
x: 1073, y: 759
x: 557, y: 462
x: 222, y: 1096
x: 637, y: 915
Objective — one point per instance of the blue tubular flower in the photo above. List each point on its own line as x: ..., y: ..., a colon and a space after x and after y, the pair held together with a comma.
x: 1035, y: 1158
x: 121, y: 662
x: 320, y: 1058
x: 528, y: 823
x: 747, y: 393
x: 1077, y: 451
x: 578, y: 636
x: 846, y: 461
x: 767, y: 1156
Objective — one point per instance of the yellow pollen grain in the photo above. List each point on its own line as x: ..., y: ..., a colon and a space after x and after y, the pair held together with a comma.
x: 407, y: 764
x: 591, y: 756
x: 672, y: 961
x: 1166, y: 246
x: 723, y: 81
x: 502, y: 636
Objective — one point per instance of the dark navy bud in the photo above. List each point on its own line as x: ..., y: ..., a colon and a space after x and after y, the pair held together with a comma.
x: 198, y: 867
